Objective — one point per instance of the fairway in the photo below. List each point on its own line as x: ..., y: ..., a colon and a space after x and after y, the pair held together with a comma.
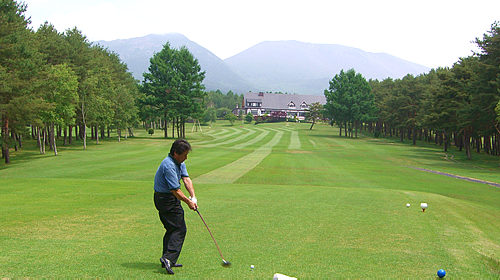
x: 281, y: 197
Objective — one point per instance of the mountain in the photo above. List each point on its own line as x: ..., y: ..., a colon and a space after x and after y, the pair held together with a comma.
x: 297, y: 67
x: 136, y: 52
x: 278, y: 66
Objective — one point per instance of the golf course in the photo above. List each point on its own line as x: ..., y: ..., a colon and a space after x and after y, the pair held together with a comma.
x: 305, y: 203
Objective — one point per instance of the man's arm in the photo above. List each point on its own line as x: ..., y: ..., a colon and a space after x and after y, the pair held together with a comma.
x: 180, y: 195
x: 189, y: 185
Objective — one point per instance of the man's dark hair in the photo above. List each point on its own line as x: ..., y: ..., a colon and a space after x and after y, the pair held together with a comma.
x: 180, y: 146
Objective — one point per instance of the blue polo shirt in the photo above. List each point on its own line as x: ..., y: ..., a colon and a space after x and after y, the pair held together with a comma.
x: 169, y: 174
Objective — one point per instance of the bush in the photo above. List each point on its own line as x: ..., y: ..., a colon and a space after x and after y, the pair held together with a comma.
x: 231, y: 118
x: 249, y: 118
x: 210, y: 115
x: 151, y: 131
x: 222, y: 112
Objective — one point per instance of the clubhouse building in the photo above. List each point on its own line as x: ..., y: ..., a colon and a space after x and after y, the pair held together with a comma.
x: 289, y: 105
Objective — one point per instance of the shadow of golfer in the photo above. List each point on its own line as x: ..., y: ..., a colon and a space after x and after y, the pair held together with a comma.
x: 143, y: 266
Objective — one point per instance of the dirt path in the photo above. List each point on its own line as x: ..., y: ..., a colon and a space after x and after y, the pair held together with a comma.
x: 458, y: 177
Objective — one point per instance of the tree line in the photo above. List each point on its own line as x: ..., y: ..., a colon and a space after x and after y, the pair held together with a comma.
x: 459, y: 105
x: 56, y: 82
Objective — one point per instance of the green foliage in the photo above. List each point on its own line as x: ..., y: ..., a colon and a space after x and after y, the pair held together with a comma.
x: 51, y: 78
x: 19, y: 65
x: 459, y: 101
x: 314, y: 113
x: 222, y: 112
x: 218, y: 99
x: 151, y: 131
x: 497, y: 109
x: 60, y: 93
x: 173, y: 86
x: 231, y: 118
x: 210, y: 115
x: 248, y: 118
x: 349, y: 100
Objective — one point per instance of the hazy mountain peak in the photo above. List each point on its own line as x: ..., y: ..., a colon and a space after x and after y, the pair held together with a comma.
x: 300, y: 67
x: 279, y: 66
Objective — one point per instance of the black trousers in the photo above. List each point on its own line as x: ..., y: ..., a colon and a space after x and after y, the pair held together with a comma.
x: 172, y: 217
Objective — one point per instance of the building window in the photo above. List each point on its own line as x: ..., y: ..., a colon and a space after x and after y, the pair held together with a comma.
x: 253, y: 104
x: 303, y: 105
x: 291, y: 105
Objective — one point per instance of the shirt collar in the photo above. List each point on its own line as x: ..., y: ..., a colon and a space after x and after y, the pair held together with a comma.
x: 173, y: 159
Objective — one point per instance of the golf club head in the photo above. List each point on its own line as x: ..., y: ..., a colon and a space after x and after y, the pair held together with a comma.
x: 225, y: 263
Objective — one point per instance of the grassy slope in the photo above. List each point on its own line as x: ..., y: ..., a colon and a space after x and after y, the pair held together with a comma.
x: 334, y: 204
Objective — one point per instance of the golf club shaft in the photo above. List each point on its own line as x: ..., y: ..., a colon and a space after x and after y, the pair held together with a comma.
x: 220, y: 253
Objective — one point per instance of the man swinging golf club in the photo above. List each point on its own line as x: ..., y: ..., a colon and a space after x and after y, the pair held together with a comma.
x: 167, y: 199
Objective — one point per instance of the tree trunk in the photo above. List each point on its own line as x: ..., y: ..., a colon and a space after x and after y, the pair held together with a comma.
x: 81, y: 130
x: 119, y: 132
x: 402, y: 134
x: 5, y: 135
x: 356, y: 129
x: 414, y: 136
x: 53, y: 134
x: 33, y: 132
x: 38, y: 142
x: 65, y: 136
x: 445, y: 140
x: 183, y: 128
x: 97, y: 135
x: 70, y: 136
x: 84, y: 133
x: 165, y: 129
x: 312, y: 125
x: 14, y: 138
x: 44, y: 134
x: 173, y: 127
x: 487, y: 145
x: 109, y: 132
x: 177, y: 126
x: 84, y: 127
x: 467, y: 144
x: 19, y: 141
x: 130, y: 132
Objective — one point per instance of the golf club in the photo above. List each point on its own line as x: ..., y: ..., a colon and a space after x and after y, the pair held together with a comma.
x: 224, y: 262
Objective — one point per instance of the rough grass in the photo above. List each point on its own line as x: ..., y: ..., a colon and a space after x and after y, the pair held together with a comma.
x: 329, y: 208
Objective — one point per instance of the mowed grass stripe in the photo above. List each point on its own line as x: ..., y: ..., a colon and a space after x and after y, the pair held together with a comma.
x: 211, y: 133
x: 219, y: 138
x: 294, y: 141
x: 231, y: 172
x: 263, y: 133
x: 229, y: 141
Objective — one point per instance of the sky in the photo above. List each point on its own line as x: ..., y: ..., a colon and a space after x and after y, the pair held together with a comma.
x: 433, y: 33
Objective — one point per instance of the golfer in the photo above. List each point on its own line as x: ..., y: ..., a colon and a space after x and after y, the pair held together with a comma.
x: 167, y: 198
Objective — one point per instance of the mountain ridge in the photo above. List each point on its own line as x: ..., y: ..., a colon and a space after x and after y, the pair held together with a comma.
x: 282, y: 66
